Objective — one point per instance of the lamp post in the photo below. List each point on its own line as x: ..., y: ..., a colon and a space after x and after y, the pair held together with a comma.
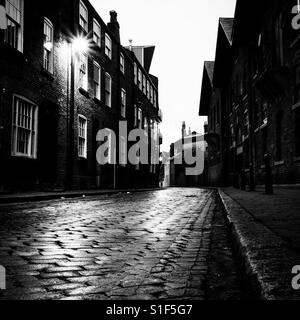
x: 77, y: 46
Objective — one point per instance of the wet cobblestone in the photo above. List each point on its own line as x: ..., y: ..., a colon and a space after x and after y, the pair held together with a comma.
x: 151, y: 245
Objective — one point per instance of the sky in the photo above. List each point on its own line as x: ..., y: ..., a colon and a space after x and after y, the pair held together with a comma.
x: 184, y: 33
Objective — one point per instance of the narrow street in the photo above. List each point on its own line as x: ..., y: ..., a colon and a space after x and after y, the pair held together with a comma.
x: 167, y: 244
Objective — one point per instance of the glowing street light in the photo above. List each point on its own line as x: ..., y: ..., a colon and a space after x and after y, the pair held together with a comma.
x: 80, y: 45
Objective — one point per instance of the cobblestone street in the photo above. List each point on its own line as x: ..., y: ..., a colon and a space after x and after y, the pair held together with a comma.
x: 148, y: 245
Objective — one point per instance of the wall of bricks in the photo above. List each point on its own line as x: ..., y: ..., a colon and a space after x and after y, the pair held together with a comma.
x: 23, y: 74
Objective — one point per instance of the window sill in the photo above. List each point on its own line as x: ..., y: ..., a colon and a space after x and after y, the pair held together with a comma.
x: 279, y: 163
x: 23, y: 157
x: 48, y: 74
x: 97, y: 101
x: 84, y: 92
x: 96, y: 46
x: 296, y: 105
x: 261, y: 127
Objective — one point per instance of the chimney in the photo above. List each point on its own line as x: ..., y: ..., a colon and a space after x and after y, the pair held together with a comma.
x: 113, y: 25
x: 183, y: 130
x: 130, y: 44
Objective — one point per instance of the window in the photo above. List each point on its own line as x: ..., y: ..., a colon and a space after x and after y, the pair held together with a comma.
x: 146, y: 124
x: 144, y: 84
x: 122, y: 63
x: 108, y: 90
x: 135, y: 115
x: 110, y: 148
x: 83, y: 71
x: 97, y: 81
x: 140, y: 80
x: 13, y: 35
x: 123, y: 103
x: 108, y: 46
x: 239, y: 135
x: 122, y: 151
x: 155, y: 99
x: 246, y: 124
x: 83, y: 16
x: 148, y: 89
x: 135, y: 73
x: 82, y: 137
x: 151, y: 94
x: 232, y: 136
x: 24, y: 124
x: 264, y: 111
x: 97, y: 33
x: 48, y: 46
x: 139, y: 119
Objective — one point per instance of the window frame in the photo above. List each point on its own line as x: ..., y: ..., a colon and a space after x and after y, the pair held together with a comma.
x: 33, y: 145
x: 108, y: 46
x: 122, y: 63
x: 139, y: 118
x: 140, y: 79
x: 49, y: 51
x: 135, y: 73
x: 108, y: 76
x: 123, y: 103
x: 84, y: 27
x: 99, y: 36
x: 83, y: 81
x: 84, y: 155
x: 98, y: 83
x: 19, y: 25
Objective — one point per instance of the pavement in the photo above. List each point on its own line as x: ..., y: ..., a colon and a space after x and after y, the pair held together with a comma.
x: 266, y: 233
x: 163, y: 244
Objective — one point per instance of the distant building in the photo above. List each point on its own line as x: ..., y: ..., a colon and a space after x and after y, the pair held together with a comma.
x: 189, y: 142
x: 55, y: 97
x: 250, y: 94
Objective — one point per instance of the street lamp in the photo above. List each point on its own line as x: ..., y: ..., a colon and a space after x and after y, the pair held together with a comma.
x: 77, y: 45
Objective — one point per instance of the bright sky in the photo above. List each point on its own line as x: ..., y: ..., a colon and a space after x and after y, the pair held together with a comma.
x: 184, y: 33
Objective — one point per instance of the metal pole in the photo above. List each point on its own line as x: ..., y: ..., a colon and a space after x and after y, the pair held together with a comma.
x: 70, y: 164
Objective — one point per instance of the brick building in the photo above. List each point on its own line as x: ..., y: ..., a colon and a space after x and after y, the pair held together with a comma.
x: 65, y: 76
x: 194, y: 144
x: 250, y: 94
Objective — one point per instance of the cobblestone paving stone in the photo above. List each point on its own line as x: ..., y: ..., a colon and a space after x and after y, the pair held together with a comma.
x: 269, y: 251
x: 151, y: 245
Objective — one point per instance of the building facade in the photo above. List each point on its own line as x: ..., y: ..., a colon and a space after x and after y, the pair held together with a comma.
x: 65, y: 76
x: 190, y: 146
x: 255, y: 79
